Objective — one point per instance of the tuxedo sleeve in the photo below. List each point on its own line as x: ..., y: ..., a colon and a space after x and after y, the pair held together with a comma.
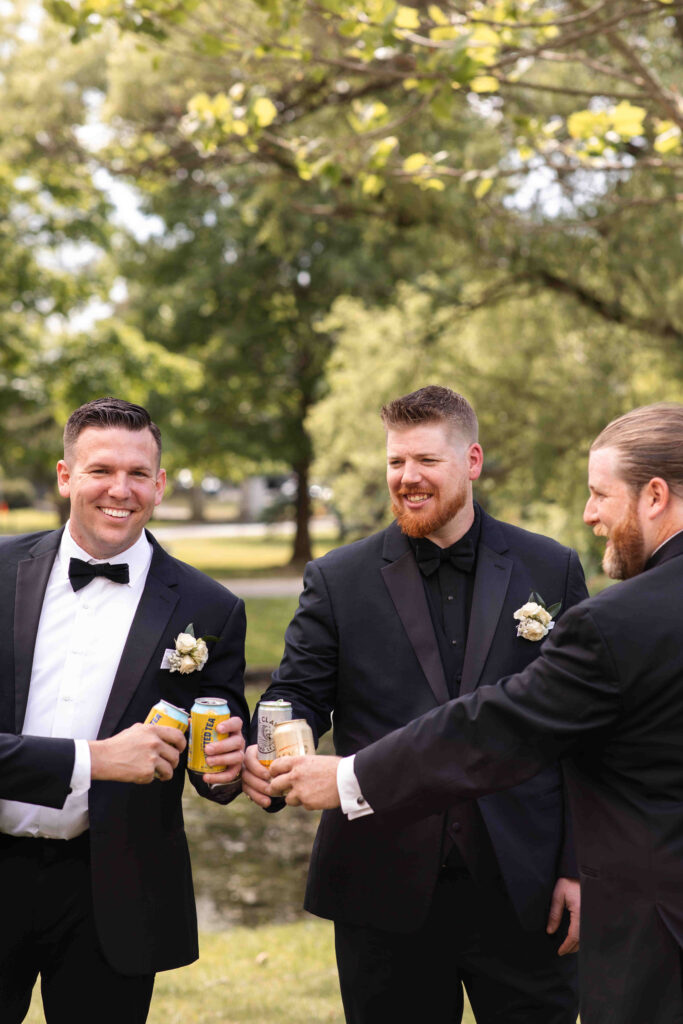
x: 499, y: 735
x: 575, y: 592
x: 36, y: 769
x: 223, y: 676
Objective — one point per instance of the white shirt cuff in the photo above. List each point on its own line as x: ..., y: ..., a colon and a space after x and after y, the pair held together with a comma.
x: 80, y: 777
x: 353, y: 803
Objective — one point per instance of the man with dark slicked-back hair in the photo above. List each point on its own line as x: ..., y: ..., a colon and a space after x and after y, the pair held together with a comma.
x: 98, y: 890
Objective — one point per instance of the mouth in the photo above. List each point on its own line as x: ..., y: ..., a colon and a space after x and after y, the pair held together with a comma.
x: 117, y: 513
x: 416, y: 498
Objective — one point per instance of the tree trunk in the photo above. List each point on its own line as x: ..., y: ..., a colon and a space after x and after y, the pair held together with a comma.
x: 302, y: 552
x: 196, y: 498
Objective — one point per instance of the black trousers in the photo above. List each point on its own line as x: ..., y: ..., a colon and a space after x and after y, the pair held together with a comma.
x: 471, y: 938
x: 48, y: 930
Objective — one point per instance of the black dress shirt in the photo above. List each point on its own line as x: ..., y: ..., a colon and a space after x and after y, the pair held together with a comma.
x: 449, y: 595
x: 466, y: 846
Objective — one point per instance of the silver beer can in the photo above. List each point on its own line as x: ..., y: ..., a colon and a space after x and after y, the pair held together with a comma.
x: 270, y: 714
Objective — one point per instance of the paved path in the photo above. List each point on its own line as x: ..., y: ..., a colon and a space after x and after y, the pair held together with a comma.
x: 272, y: 586
x: 323, y: 524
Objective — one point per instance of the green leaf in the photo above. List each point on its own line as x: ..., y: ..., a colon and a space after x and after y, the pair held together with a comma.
x: 415, y: 162
x: 554, y: 608
x: 627, y: 120
x: 264, y: 111
x: 668, y: 138
x: 482, y: 187
x: 407, y: 18
x: 189, y: 629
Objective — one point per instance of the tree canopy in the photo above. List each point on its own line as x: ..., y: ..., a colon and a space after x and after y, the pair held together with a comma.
x: 348, y: 199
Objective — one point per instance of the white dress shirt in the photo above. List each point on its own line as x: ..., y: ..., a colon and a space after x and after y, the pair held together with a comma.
x: 80, y: 640
x: 353, y: 803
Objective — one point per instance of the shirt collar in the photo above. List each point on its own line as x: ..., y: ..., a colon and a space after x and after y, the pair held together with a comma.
x: 664, y: 551
x: 138, y: 556
x: 666, y: 542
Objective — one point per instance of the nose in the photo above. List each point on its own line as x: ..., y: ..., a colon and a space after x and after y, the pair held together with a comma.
x: 119, y: 486
x: 411, y: 472
x: 590, y: 516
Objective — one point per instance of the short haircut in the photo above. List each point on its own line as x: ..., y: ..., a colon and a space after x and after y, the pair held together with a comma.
x: 433, y: 404
x: 649, y: 443
x: 109, y: 412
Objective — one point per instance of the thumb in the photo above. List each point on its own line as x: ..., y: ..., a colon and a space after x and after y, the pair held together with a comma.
x: 556, y: 911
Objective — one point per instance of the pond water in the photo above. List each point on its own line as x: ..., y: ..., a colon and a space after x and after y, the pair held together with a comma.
x: 249, y: 867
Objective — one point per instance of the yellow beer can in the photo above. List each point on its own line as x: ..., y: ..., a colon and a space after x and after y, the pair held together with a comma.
x: 205, y: 715
x: 164, y: 713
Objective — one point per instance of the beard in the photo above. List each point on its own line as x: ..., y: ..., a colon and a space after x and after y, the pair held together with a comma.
x: 421, y: 524
x: 625, y: 554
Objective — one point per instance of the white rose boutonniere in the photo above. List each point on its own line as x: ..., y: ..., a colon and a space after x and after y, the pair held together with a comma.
x: 534, y: 620
x: 190, y: 652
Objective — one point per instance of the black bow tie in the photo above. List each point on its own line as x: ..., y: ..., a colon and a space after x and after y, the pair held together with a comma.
x: 81, y: 573
x: 460, y: 555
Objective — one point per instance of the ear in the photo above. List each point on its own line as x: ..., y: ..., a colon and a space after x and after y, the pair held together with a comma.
x: 475, y: 460
x: 63, y: 479
x: 159, y: 486
x: 655, y: 497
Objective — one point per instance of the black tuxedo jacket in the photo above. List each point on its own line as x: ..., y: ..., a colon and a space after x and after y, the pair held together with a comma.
x: 35, y: 770
x: 362, y: 645
x: 142, y: 883
x: 608, y: 693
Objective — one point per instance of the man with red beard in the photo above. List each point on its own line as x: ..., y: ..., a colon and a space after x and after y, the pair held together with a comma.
x: 606, y: 695
x: 484, y: 895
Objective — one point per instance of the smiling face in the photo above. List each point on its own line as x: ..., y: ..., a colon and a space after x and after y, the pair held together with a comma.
x: 112, y: 477
x: 614, y: 512
x: 430, y: 470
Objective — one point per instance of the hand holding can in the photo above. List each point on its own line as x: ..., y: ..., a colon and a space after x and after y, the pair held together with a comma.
x: 270, y: 714
x: 293, y: 738
x: 206, y: 713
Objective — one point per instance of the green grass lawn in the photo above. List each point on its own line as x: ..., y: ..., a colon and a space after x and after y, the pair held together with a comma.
x: 27, y: 520
x: 223, y: 557
x: 277, y: 974
x: 267, y: 620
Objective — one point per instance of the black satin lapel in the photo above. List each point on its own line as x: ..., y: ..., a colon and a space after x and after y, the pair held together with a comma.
x: 32, y: 577
x: 151, y: 617
x: 404, y: 584
x: 490, y: 587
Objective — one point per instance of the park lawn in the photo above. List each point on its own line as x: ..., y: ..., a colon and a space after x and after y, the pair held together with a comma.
x: 267, y: 620
x: 27, y: 520
x: 223, y: 557
x: 277, y: 974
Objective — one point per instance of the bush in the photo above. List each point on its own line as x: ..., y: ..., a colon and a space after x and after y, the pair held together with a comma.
x: 17, y: 493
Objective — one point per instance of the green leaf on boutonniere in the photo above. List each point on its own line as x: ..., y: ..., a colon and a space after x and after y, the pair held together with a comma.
x: 554, y: 608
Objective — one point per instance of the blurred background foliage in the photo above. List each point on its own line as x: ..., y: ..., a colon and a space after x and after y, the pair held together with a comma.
x: 263, y: 219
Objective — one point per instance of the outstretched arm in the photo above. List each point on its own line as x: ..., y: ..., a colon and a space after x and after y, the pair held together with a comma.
x: 491, y: 739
